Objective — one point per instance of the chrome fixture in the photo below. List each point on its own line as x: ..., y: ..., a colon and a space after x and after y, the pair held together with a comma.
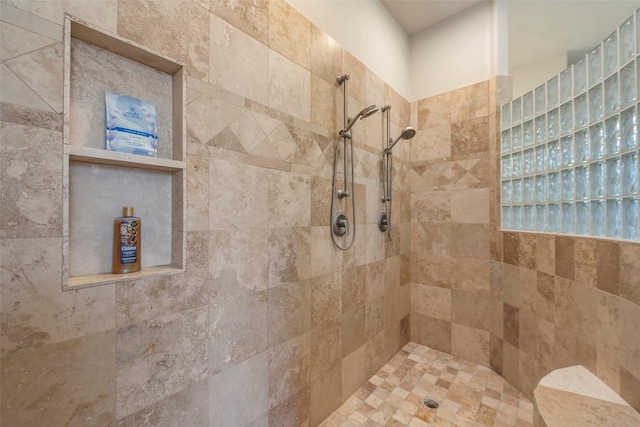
x: 340, y: 220
x: 384, y: 219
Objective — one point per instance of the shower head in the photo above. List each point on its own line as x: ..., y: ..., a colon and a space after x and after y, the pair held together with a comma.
x: 361, y: 115
x: 407, y: 133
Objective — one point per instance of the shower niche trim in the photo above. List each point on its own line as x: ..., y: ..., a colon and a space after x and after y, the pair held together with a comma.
x: 97, y: 183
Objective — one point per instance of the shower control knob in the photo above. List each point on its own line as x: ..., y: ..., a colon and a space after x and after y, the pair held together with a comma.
x: 340, y: 224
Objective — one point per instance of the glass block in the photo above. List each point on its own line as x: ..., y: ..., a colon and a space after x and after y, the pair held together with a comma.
x: 541, y: 188
x: 580, y: 110
x: 613, y: 218
x: 565, y: 85
x: 553, y: 155
x: 506, y: 141
x: 628, y: 129
x: 627, y: 49
x: 554, y: 187
x: 541, y: 158
x: 581, y: 147
x: 566, y: 118
x: 627, y: 85
x: 506, y: 217
x: 554, y: 218
x: 567, y: 218
x: 528, y: 190
x: 580, y: 76
x: 610, y: 57
x: 541, y: 129
x: 595, y: 103
x: 582, y: 218
x: 582, y: 182
x: 611, y: 95
x: 516, y: 110
x: 595, y: 66
x: 541, y: 217
x: 516, y: 165
x: 638, y: 31
x: 567, y: 184
x: 612, y: 177
x: 596, y: 180
x: 506, y: 167
x: 527, y: 159
x: 552, y: 92
x: 516, y: 192
x: 527, y: 133
x: 553, y: 124
x: 506, y: 192
x: 596, y: 142
x: 611, y: 136
x: 516, y: 137
x: 596, y: 215
x: 516, y: 218
x: 541, y: 105
x: 505, y: 116
x: 630, y: 218
x: 566, y: 149
x: 629, y: 174
x: 527, y: 105
x: 529, y: 218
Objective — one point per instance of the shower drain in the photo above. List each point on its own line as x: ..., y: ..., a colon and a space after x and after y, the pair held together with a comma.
x: 430, y: 403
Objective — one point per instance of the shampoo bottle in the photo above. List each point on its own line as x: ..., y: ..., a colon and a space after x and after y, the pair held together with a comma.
x: 126, y: 243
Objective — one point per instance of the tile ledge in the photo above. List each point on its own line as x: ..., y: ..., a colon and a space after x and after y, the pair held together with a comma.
x: 565, y: 394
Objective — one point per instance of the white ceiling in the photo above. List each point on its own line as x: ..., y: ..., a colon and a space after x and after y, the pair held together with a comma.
x: 416, y: 15
x: 537, y: 28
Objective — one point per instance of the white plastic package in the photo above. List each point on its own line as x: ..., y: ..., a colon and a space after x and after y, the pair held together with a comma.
x: 131, y: 125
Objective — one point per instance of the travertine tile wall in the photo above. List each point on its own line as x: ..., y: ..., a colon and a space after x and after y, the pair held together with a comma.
x: 522, y: 303
x: 270, y: 324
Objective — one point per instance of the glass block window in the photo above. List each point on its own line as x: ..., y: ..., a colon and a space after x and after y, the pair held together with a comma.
x: 570, y: 149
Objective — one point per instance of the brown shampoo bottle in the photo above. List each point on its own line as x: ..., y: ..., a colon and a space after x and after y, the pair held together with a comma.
x: 126, y: 243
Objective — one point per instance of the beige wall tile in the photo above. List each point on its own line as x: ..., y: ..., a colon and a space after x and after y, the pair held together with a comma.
x: 630, y: 272
x: 188, y: 407
x: 353, y: 372
x: 357, y: 83
x: 238, y: 196
x: 354, y: 330
x: 326, y: 61
x: 470, y: 240
x: 470, y: 343
x: 629, y: 353
x: 354, y: 288
x: 293, y: 411
x: 240, y: 395
x: 470, y: 206
x: 289, y: 33
x: 326, y: 299
x: 431, y: 301
x: 289, y: 201
x: 470, y: 136
x: 289, y: 311
x: 470, y: 309
x: 326, y: 349
x: 19, y: 41
x: 470, y: 102
x: 434, y: 111
x: 249, y: 16
x: 237, y: 329
x: 163, y: 30
x: 289, y: 87
x: 15, y: 91
x: 35, y: 310
x: 326, y: 395
x: 159, y: 357
x: 434, y: 333
x: 198, y: 193
x: 565, y: 257
x: 326, y: 98
x: 608, y: 340
x: 38, y: 18
x: 289, y: 255
x: 69, y: 382
x: 31, y: 182
x: 545, y: 253
x: 288, y: 369
x: 246, y: 74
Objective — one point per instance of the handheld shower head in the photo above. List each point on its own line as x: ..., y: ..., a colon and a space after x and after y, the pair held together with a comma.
x: 407, y: 133
x: 371, y: 109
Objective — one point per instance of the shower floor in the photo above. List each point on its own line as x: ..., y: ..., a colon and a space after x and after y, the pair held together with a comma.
x: 468, y: 395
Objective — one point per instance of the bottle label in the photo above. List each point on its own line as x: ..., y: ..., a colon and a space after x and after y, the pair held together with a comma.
x: 129, y: 234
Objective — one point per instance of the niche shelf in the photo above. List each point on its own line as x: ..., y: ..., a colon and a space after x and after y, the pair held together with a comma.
x: 98, y: 183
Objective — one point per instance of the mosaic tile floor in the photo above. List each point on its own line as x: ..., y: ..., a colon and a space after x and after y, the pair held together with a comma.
x: 469, y: 395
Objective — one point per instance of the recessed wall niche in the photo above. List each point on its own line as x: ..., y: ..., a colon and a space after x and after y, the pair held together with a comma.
x: 99, y: 183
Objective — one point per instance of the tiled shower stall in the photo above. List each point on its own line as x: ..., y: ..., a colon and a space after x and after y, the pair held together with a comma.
x: 270, y: 324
